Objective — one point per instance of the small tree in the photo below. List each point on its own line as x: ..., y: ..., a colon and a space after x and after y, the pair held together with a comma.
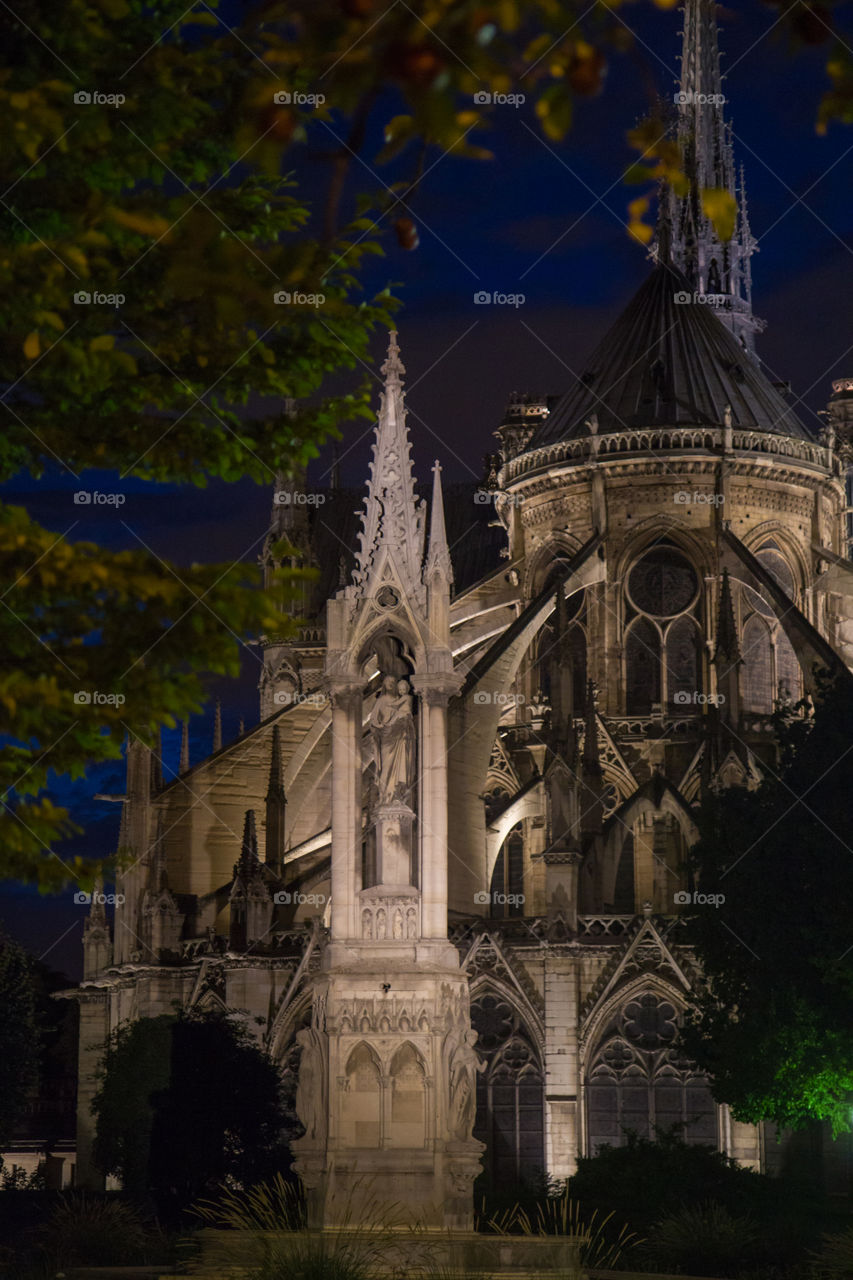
x: 189, y: 1103
x: 20, y: 1033
x: 773, y: 1025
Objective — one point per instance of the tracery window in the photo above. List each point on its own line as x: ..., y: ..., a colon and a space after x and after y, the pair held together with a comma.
x: 510, y: 1093
x: 663, y: 639
x: 770, y: 667
x: 638, y: 1081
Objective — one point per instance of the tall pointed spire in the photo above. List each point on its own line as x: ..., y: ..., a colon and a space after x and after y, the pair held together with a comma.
x: 438, y: 555
x: 217, y: 726
x: 726, y: 648
x: 184, y: 761
x: 711, y: 265
x: 276, y: 803
x: 393, y: 519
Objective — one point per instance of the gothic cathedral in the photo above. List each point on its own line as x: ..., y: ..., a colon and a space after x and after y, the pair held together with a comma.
x: 442, y: 875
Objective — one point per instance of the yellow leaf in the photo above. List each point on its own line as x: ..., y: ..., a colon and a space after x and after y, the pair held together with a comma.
x: 640, y: 231
x: 51, y: 318
x: 202, y: 360
x: 721, y: 207
x: 105, y: 342
x: 20, y: 101
x: 147, y: 224
x: 637, y: 208
x: 32, y: 345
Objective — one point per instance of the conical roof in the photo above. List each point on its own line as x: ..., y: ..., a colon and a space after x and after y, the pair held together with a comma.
x: 668, y: 361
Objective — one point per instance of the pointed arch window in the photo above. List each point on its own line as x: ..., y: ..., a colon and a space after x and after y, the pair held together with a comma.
x: 770, y: 667
x: 663, y: 642
x: 639, y: 1082
x: 510, y: 1093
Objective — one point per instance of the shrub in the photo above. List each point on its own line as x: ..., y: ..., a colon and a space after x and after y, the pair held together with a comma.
x: 91, y: 1231
x: 834, y: 1260
x: 704, y: 1240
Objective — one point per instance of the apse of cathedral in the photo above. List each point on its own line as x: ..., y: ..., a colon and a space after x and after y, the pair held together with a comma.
x: 442, y: 876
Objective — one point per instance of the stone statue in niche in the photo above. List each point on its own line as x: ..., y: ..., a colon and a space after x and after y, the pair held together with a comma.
x: 465, y: 1065
x: 393, y: 728
x: 310, y: 1090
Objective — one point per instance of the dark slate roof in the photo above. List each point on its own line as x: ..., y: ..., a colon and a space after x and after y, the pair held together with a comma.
x: 665, y: 363
x: 335, y: 524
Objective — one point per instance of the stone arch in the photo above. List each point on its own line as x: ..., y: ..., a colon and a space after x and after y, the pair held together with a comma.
x: 789, y: 547
x: 662, y: 878
x: 634, y: 1075
x: 361, y: 1100
x: 654, y: 529
x: 407, y: 1076
x: 558, y: 547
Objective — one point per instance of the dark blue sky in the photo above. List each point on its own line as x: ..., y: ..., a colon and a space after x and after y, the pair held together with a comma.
x: 492, y: 226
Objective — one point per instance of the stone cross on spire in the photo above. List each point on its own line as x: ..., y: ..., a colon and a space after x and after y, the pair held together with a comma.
x: 686, y: 235
x: 393, y: 520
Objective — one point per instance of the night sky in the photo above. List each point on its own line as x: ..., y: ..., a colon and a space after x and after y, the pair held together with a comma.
x: 540, y: 219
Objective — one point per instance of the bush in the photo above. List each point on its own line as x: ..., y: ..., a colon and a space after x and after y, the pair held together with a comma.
x: 92, y: 1231
x: 704, y: 1240
x: 834, y: 1260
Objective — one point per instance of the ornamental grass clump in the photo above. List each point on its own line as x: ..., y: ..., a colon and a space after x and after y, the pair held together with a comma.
x: 560, y: 1215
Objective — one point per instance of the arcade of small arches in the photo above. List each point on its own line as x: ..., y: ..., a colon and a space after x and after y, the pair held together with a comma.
x: 634, y: 1081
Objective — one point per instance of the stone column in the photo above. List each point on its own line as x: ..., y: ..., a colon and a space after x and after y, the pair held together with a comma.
x: 346, y: 699
x: 435, y: 692
x: 562, y: 1065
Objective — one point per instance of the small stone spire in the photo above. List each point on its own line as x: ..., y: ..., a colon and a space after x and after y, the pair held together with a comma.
x: 562, y: 737
x: 393, y: 519
x: 276, y: 808
x: 726, y: 648
x: 249, y: 847
x: 438, y: 556
x: 184, y: 762
x: 217, y: 726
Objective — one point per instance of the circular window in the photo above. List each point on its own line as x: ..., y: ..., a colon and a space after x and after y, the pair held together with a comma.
x: 662, y: 584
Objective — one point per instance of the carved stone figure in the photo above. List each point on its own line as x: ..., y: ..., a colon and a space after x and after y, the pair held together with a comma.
x: 393, y: 727
x: 310, y: 1098
x: 465, y: 1065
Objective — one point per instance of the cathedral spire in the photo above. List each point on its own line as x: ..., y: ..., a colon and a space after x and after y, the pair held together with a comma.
x: 184, y: 761
x: 438, y: 555
x: 712, y: 266
x: 726, y: 648
x: 393, y: 519
x: 217, y: 726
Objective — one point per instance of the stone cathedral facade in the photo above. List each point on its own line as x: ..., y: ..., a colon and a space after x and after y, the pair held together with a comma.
x: 442, y: 875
